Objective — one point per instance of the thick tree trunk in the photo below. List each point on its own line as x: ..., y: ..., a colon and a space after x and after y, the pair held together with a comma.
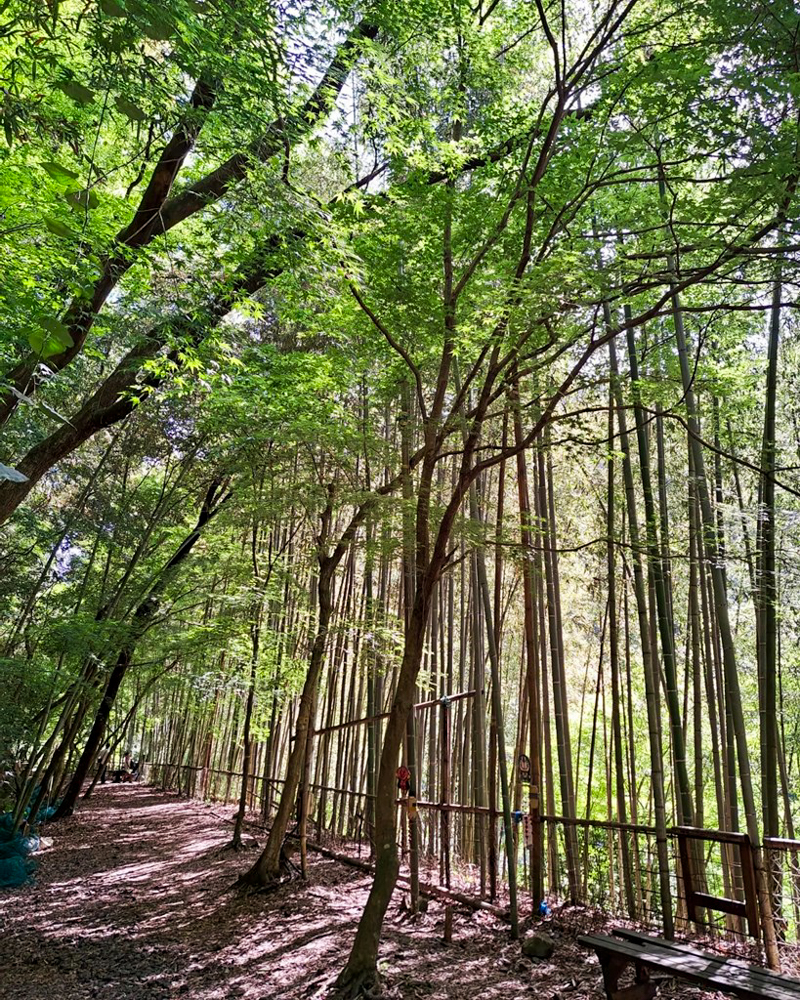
x: 157, y: 212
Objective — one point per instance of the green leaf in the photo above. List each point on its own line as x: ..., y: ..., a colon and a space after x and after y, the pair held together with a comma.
x: 53, y: 338
x: 81, y: 199
x: 57, y: 330
x: 130, y: 110
x: 112, y: 8
x: 76, y: 91
x: 159, y: 31
x: 44, y: 345
x: 57, y: 172
x: 12, y: 475
x: 59, y: 229
x: 54, y: 413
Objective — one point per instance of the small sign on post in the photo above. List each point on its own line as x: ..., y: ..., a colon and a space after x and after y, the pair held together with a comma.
x: 527, y: 829
x: 524, y: 765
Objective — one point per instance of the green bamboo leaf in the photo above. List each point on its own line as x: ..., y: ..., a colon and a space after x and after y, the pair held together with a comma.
x: 112, y: 8
x: 76, y: 91
x: 59, y: 229
x: 130, y: 110
x: 58, y: 172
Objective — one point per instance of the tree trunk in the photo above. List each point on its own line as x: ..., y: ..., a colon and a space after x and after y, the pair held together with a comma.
x: 142, y: 618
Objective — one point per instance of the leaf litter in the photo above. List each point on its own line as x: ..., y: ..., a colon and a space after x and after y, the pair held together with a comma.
x: 132, y: 901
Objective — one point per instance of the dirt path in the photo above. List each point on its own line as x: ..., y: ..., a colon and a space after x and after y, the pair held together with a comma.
x: 131, y: 902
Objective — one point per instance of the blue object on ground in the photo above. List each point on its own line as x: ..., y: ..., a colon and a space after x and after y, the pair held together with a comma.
x: 15, y: 865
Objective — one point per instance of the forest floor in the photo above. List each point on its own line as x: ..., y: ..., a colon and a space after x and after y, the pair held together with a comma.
x: 132, y: 902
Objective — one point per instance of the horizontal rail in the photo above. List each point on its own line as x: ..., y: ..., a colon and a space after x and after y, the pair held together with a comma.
x: 690, y: 832
x: 450, y: 698
x: 781, y: 844
x: 718, y: 836
x: 601, y: 824
x: 721, y: 903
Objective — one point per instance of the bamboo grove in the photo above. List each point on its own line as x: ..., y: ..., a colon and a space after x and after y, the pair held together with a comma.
x: 443, y: 354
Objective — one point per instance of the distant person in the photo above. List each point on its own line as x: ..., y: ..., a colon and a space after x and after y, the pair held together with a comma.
x: 105, y: 754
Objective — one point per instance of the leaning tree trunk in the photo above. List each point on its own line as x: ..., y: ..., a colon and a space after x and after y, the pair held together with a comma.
x: 142, y: 619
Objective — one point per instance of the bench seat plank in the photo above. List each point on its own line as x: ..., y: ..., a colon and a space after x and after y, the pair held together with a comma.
x: 740, y: 980
x: 680, y: 946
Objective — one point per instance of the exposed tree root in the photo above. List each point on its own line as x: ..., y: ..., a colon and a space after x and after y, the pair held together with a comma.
x: 237, y: 846
x: 253, y: 881
x: 356, y: 985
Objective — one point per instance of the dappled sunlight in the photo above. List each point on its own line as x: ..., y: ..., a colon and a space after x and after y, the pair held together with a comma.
x: 133, y: 902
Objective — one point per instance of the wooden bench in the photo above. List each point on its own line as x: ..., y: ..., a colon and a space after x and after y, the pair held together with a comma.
x: 681, y: 961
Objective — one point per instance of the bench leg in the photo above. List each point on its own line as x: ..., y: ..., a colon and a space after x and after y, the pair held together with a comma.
x: 613, y: 966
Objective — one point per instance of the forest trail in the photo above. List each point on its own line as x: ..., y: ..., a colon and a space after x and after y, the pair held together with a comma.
x: 131, y: 902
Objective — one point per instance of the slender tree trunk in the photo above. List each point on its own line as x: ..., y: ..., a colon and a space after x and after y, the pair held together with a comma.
x: 142, y: 618
x: 767, y: 585
x: 267, y: 867
x: 648, y: 649
x: 718, y: 578
x: 613, y: 658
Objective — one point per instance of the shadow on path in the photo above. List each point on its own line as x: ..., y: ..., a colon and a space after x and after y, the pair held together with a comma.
x: 132, y: 902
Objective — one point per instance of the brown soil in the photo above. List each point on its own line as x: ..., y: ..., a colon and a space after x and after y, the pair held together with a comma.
x: 132, y: 902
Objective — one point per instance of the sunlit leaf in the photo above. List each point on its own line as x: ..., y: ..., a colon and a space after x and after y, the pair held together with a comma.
x: 53, y: 338
x: 59, y: 229
x: 58, y: 172
x: 44, y: 344
x: 56, y: 329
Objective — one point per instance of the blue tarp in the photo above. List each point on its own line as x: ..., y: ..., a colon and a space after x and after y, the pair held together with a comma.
x: 16, y: 866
